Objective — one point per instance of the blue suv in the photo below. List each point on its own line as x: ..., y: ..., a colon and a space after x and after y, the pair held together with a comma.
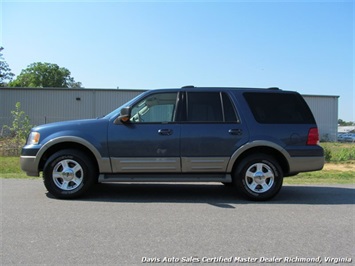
x: 247, y: 138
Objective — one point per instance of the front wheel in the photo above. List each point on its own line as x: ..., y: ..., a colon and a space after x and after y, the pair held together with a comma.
x: 68, y: 174
x: 258, y: 177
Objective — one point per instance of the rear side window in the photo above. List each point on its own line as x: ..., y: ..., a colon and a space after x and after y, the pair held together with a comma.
x: 209, y: 107
x: 279, y: 108
x: 204, y: 107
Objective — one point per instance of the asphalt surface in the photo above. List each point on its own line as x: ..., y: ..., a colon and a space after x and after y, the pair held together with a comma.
x: 135, y: 224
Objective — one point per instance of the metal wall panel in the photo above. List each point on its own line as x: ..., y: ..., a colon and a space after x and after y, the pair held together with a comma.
x: 56, y: 104
x: 109, y: 100
x: 45, y: 106
x: 325, y: 111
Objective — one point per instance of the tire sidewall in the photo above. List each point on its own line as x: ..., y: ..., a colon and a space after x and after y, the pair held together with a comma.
x: 240, y: 182
x: 82, y: 160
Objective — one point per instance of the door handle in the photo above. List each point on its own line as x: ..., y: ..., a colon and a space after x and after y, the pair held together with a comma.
x: 235, y: 131
x: 165, y: 132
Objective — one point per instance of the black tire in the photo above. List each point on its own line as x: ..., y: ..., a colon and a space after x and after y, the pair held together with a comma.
x: 69, y: 174
x: 258, y: 177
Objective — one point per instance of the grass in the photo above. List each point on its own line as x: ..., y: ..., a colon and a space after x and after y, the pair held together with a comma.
x: 322, y: 177
x: 340, y: 168
x: 10, y: 168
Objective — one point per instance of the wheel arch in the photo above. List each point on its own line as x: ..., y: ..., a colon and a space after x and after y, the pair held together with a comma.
x: 77, y: 143
x: 265, y: 147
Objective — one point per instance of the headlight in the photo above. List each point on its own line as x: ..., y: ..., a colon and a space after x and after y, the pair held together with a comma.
x: 33, y: 138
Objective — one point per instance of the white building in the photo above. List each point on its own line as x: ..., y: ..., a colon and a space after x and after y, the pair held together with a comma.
x: 325, y: 111
x: 58, y: 104
x: 345, y: 129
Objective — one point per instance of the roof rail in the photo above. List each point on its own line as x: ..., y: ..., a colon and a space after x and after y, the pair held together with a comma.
x: 273, y: 88
x: 188, y: 87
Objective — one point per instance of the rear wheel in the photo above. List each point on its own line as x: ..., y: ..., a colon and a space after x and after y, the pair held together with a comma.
x: 258, y: 177
x: 69, y: 174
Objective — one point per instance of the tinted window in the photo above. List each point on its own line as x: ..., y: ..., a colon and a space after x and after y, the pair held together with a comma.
x: 279, y: 108
x: 156, y: 108
x: 209, y: 107
x: 204, y: 107
x: 229, y: 112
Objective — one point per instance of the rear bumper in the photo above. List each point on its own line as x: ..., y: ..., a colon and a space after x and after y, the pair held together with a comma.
x: 306, y: 164
x: 29, y: 165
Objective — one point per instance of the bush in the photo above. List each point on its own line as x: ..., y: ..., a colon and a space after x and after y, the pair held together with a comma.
x: 339, y: 152
x: 327, y: 154
x: 17, y: 133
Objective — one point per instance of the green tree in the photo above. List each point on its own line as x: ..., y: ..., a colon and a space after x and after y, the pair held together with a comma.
x: 45, y: 75
x: 21, y: 126
x: 344, y: 123
x: 5, y: 72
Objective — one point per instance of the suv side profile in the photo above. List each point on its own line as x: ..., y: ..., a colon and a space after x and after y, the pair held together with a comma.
x: 248, y: 138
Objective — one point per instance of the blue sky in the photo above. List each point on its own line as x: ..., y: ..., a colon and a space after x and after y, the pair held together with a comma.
x: 295, y: 45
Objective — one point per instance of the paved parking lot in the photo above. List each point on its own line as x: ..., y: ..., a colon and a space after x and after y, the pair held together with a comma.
x: 139, y: 224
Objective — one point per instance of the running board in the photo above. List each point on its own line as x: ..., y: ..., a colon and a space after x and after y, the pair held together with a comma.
x: 225, y: 178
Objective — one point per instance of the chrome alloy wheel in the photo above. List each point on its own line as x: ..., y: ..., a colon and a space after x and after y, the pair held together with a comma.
x: 68, y: 174
x: 259, y: 178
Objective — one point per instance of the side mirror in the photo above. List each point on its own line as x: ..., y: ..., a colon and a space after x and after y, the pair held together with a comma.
x: 124, y: 116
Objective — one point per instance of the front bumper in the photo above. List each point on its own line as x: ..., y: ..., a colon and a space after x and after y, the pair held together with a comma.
x: 29, y: 161
x: 29, y: 165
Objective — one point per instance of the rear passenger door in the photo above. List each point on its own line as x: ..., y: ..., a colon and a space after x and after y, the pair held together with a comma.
x: 210, y: 132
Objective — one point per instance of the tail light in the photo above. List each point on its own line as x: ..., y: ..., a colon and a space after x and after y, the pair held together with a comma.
x: 313, y: 136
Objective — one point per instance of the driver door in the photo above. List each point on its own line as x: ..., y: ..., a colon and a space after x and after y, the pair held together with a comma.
x: 150, y: 141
